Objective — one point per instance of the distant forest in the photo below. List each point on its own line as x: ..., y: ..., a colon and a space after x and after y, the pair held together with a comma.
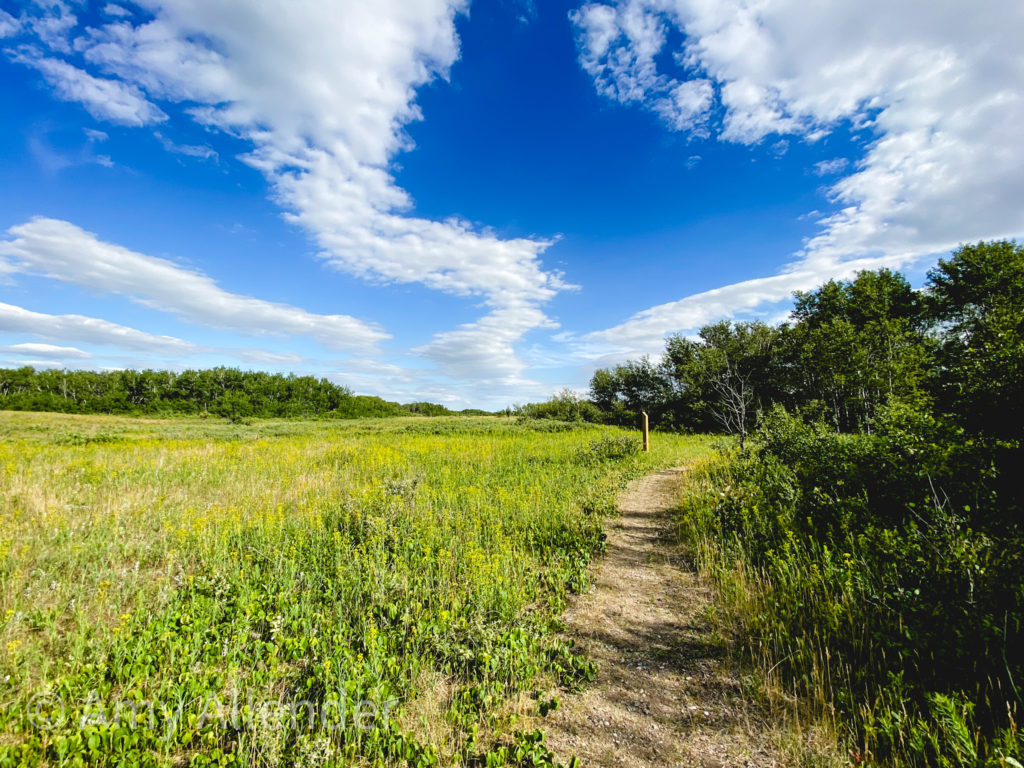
x: 227, y: 392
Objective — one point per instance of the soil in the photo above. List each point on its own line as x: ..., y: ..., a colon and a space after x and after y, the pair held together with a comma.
x: 666, y: 693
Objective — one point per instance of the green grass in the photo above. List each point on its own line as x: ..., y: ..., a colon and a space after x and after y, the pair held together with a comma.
x: 352, y: 593
x: 872, y: 634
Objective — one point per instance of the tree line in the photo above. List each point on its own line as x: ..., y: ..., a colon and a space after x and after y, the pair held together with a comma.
x: 226, y: 392
x: 849, y: 349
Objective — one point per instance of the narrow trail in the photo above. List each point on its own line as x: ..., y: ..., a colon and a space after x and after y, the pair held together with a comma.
x: 664, y: 695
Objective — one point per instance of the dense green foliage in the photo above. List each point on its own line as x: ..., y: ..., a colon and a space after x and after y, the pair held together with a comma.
x: 871, y: 542
x: 849, y: 348
x: 226, y: 392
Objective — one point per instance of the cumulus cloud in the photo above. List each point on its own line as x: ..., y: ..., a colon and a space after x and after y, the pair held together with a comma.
x: 687, y: 106
x: 62, y: 251
x: 90, y: 330
x: 935, y: 88
x: 618, y: 46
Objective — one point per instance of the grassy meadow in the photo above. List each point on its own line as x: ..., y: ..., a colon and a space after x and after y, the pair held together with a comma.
x: 194, y: 592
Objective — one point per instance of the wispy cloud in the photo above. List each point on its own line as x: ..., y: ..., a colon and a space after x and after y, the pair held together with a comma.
x: 484, y: 349
x: 51, y: 21
x: 61, y: 251
x: 828, y: 167
x: 91, y: 330
x: 113, y: 345
x: 200, y: 151
x: 48, y: 351
x: 270, y: 358
x: 618, y: 47
x: 9, y: 25
x: 52, y: 160
x: 102, y: 98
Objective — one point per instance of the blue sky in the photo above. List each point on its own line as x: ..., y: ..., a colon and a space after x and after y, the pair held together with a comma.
x: 478, y: 204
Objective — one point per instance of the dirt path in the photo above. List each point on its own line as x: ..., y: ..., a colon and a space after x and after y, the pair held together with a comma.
x: 663, y: 695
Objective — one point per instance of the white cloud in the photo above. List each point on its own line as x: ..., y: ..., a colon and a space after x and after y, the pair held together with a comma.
x: 618, y: 46
x: 936, y: 86
x: 143, y: 347
x: 6, y: 268
x: 447, y: 256
x: 408, y: 385
x: 34, y: 363
x: 51, y: 21
x: 201, y: 151
x: 9, y: 25
x: 484, y: 349
x: 116, y: 10
x: 50, y: 351
x: 89, y: 329
x: 645, y: 332
x: 687, y: 106
x: 526, y: 11
x: 52, y: 160
x: 270, y: 358
x: 828, y: 167
x: 62, y: 251
x: 102, y: 98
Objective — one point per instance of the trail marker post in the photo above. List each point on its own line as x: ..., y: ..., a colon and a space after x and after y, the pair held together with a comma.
x: 647, y: 432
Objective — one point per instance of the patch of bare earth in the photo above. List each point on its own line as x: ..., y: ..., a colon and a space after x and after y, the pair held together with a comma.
x: 664, y: 694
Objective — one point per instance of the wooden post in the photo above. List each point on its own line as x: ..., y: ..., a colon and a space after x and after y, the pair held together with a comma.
x: 647, y: 432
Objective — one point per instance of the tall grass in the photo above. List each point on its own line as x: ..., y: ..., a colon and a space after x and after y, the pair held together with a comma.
x: 852, y: 582
x: 371, y: 593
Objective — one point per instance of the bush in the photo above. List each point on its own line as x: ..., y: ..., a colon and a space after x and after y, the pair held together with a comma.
x: 565, y: 406
x: 610, y: 448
